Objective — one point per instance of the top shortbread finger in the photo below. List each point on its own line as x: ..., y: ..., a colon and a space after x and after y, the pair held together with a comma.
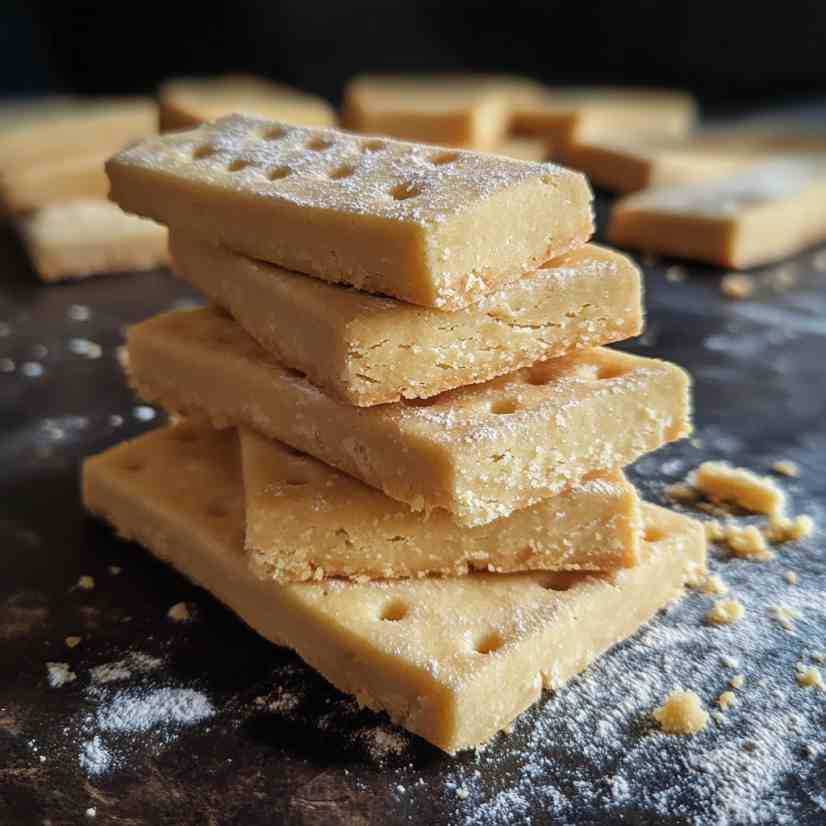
x: 433, y: 227
x: 189, y: 101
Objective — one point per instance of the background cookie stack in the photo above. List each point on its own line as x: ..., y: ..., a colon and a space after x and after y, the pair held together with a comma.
x: 446, y: 409
x: 53, y: 185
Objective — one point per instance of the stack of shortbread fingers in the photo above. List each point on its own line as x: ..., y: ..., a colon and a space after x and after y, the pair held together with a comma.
x: 401, y: 441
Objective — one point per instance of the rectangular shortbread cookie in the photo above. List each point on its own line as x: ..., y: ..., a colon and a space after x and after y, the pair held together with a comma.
x: 569, y: 115
x: 367, y: 350
x: 53, y: 182
x: 54, y: 128
x: 189, y: 101
x: 761, y: 214
x: 524, y: 149
x: 426, y: 225
x: 88, y: 237
x: 453, y: 659
x: 451, y: 110
x: 305, y: 520
x: 479, y: 452
x: 630, y: 163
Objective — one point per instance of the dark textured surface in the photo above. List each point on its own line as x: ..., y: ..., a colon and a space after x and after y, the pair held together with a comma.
x: 585, y: 756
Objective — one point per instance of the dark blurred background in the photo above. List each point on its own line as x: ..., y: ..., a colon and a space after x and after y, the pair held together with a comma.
x: 726, y: 52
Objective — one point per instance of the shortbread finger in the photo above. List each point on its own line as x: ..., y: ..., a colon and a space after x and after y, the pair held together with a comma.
x: 305, y: 520
x: 89, y: 237
x: 480, y: 452
x: 450, y: 110
x: 188, y: 102
x: 367, y: 350
x: 524, y: 149
x: 630, y: 163
x: 762, y: 214
x: 574, y: 114
x: 51, y: 183
x: 53, y: 129
x: 434, y: 227
x: 451, y: 659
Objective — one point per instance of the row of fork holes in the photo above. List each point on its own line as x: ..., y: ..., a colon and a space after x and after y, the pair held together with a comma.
x: 536, y: 376
x: 397, y: 610
x: 400, y: 192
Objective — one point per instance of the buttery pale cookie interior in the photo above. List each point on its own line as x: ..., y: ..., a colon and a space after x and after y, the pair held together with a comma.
x: 451, y: 659
x: 480, y: 452
x: 434, y: 227
x: 305, y: 520
x: 366, y: 349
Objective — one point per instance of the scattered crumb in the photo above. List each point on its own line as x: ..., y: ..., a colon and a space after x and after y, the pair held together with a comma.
x: 726, y: 700
x: 179, y: 612
x: 722, y: 482
x: 737, y: 681
x: 681, y: 492
x: 785, y: 616
x: 681, y: 713
x: 791, y: 577
x: 91, y: 812
x: 730, y: 662
x: 736, y: 285
x: 462, y: 793
x: 715, y: 531
x: 59, y: 674
x: 675, y: 273
x: 714, y: 584
x: 819, y: 656
x: 748, y: 542
x: 810, y: 677
x: 786, y: 468
x: 122, y: 356
x: 115, y: 569
x: 85, y: 582
x: 72, y: 642
x: 786, y: 529
x: 725, y: 612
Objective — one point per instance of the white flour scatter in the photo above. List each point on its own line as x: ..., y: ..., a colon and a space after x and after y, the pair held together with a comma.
x: 279, y: 701
x: 84, y: 347
x: 133, y: 711
x: 593, y: 750
x: 59, y: 674
x: 144, y: 413
x: 31, y: 369
x: 94, y: 757
x: 383, y: 741
x: 79, y: 312
x: 135, y: 662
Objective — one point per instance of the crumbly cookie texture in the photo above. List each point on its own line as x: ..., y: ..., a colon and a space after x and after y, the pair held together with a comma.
x: 305, y: 520
x: 434, y: 227
x: 720, y: 481
x: 785, y: 467
x: 682, y: 713
x: 453, y: 659
x: 369, y: 349
x: 737, y: 285
x: 810, y: 677
x: 727, y: 700
x: 715, y: 585
x: 479, y: 452
x: 725, y: 612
